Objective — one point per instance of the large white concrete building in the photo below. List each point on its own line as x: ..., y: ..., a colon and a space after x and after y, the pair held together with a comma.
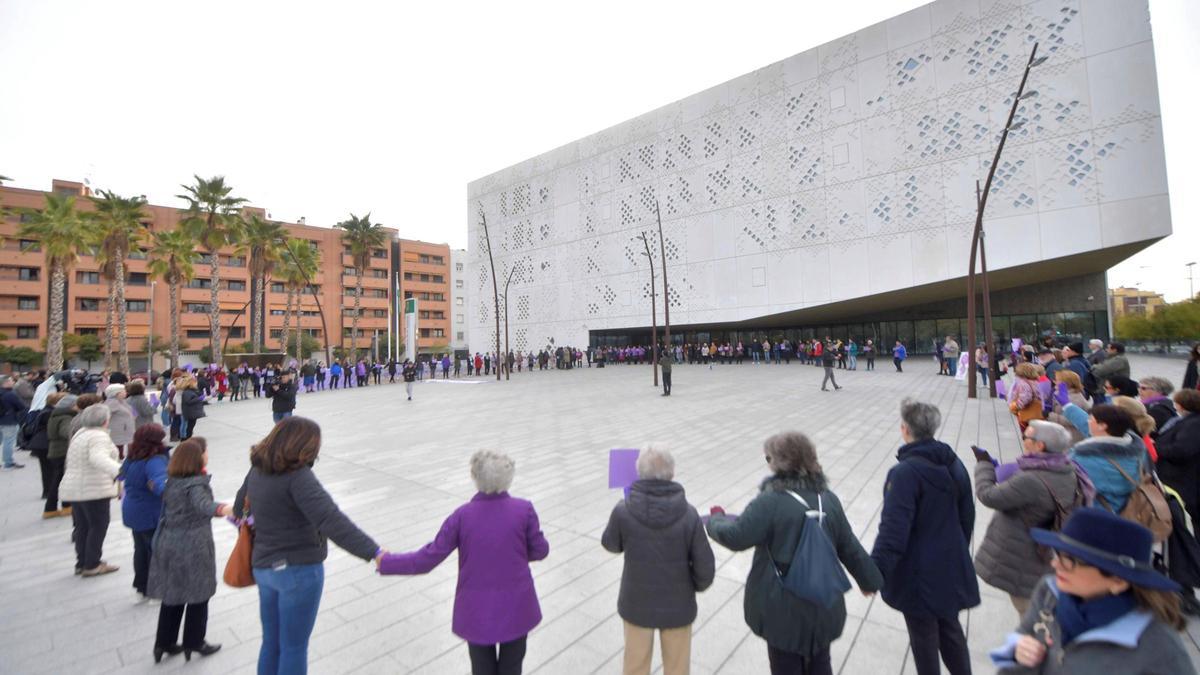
x: 835, y: 189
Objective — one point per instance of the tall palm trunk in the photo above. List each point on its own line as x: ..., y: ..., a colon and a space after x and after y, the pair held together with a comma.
x: 54, y: 341
x: 256, y: 311
x: 354, y: 323
x: 262, y: 314
x: 110, y: 306
x: 122, y: 323
x: 299, y: 328
x: 174, y: 300
x: 287, y: 322
x: 214, y: 311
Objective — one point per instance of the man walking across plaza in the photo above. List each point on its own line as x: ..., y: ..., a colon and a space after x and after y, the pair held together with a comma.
x: 283, y: 396
x: 828, y: 358
x: 899, y: 353
x: 664, y: 362
x: 12, y: 413
x: 409, y: 372
x: 923, y: 545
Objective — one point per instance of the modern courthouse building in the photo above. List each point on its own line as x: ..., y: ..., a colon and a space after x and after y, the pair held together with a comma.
x: 400, y: 269
x: 834, y: 192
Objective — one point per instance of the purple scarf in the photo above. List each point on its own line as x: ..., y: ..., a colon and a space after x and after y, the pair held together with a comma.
x: 1054, y: 460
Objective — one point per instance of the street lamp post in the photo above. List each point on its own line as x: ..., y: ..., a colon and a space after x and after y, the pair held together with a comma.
x: 1191, y: 288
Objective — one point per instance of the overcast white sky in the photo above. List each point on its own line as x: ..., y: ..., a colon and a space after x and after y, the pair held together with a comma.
x: 319, y: 109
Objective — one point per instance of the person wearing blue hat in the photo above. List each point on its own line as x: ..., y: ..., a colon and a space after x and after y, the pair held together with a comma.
x: 1104, y: 609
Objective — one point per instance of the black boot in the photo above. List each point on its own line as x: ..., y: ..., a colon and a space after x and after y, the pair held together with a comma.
x: 205, y: 649
x: 172, y: 650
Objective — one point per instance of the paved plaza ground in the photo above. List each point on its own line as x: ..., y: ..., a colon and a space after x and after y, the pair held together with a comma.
x: 399, y: 468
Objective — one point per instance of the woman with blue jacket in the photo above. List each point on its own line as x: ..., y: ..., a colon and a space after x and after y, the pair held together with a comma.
x: 1113, y: 447
x: 145, y: 475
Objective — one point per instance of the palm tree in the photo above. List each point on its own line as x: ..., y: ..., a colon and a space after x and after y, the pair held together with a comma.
x: 58, y: 227
x: 213, y: 220
x: 301, y: 263
x: 172, y: 259
x: 116, y: 230
x: 262, y: 242
x: 362, y: 237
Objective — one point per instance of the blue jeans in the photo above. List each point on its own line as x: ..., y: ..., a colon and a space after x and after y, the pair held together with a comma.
x: 278, y: 416
x: 288, y: 600
x: 165, y: 416
x: 8, y: 433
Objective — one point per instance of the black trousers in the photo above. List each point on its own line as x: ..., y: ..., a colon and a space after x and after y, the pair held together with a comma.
x: 333, y: 382
x: 788, y: 663
x: 194, y: 629
x: 141, y: 559
x: 53, y: 467
x: 502, y: 659
x: 928, y: 636
x: 898, y: 361
x: 44, y: 468
x: 667, y: 382
x: 91, y: 525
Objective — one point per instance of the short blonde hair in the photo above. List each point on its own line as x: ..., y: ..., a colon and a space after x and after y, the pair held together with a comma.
x: 1027, y: 371
x: 1069, y: 378
x: 492, y: 471
x: 655, y: 462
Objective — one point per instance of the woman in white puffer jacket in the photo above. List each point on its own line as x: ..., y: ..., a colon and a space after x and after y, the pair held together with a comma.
x: 89, y: 484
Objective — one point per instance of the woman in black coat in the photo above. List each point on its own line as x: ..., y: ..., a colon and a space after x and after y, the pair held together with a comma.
x: 1191, y: 376
x: 798, y: 632
x: 183, y: 569
x: 191, y: 407
x: 1178, y: 446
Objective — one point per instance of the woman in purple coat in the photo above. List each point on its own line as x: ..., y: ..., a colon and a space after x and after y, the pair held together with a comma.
x: 497, y: 536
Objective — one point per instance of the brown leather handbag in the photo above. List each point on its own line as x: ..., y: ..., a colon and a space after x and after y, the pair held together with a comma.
x: 238, y: 571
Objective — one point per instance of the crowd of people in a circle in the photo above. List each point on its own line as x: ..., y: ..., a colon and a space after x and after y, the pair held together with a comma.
x: 1092, y: 537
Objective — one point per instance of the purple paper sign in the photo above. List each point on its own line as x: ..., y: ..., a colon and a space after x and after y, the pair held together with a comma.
x: 1006, y: 471
x: 1001, y: 390
x: 1061, y: 394
x: 153, y: 400
x: 622, y: 468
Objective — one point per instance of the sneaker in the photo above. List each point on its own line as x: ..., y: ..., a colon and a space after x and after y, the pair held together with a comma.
x: 102, y: 568
x: 47, y: 515
x: 14, y: 465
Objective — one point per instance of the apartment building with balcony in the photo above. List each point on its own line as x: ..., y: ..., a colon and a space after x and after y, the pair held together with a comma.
x: 24, y: 287
x: 424, y: 274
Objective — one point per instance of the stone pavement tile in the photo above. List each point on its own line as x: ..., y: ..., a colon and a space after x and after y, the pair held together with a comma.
x: 400, y: 469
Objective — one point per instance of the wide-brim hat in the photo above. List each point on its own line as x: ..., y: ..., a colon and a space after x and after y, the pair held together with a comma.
x: 1110, y: 543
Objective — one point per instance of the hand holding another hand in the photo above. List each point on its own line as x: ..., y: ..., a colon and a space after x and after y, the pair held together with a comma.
x: 224, y: 510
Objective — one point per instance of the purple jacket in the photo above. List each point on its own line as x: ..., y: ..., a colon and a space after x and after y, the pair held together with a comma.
x: 496, y: 536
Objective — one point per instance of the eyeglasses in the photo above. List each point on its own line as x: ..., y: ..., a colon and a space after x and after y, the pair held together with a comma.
x: 1068, y: 562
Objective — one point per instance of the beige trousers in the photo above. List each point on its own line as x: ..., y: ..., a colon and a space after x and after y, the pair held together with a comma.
x: 676, y: 649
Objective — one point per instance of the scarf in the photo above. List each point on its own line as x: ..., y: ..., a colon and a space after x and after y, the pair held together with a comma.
x: 1053, y: 460
x: 1077, y: 616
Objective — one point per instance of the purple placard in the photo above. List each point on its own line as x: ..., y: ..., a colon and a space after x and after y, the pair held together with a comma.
x: 622, y: 468
x: 1006, y: 471
x: 1061, y: 394
x: 153, y: 400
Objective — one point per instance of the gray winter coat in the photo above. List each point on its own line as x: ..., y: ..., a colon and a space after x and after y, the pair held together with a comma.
x: 142, y: 410
x: 1008, y: 558
x: 667, y: 555
x: 183, y: 569
x: 1135, y: 644
x: 1113, y: 366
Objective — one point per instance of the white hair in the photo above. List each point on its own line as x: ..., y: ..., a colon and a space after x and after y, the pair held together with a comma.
x: 1095, y: 343
x: 1054, y: 436
x: 94, y: 416
x: 492, y: 471
x: 922, y: 419
x: 655, y: 462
